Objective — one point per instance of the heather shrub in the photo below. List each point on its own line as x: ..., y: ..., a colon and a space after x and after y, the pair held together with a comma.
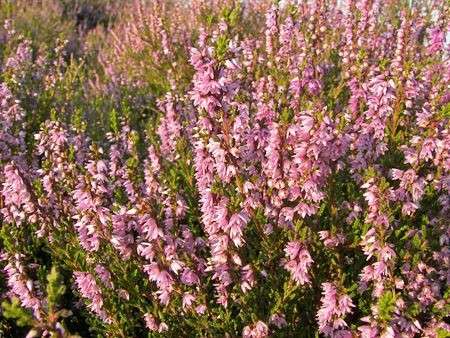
x: 40, y: 22
x: 229, y: 168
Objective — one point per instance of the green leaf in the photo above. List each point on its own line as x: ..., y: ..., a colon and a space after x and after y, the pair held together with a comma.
x: 114, y: 121
x: 15, y: 311
x: 386, y: 305
x: 443, y: 333
x: 55, y: 288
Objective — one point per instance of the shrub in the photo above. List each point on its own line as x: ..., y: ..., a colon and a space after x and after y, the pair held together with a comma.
x: 289, y: 178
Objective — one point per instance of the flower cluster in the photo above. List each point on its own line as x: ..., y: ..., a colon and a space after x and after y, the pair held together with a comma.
x: 287, y: 176
x: 334, y: 308
x: 88, y: 288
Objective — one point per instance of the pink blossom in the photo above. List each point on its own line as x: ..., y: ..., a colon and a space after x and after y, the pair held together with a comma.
x: 88, y: 288
x: 21, y: 285
x: 257, y: 330
x: 236, y: 225
x: 298, y: 262
x: 104, y: 275
x: 18, y: 204
x: 278, y: 320
x: 153, y: 325
x: 335, y: 306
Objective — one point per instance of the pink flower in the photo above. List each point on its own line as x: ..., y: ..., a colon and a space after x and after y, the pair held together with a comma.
x: 257, y: 330
x: 236, y: 225
x: 330, y: 240
x: 18, y: 205
x: 189, y: 277
x: 88, y: 288
x: 188, y: 300
x: 437, y: 39
x: 332, y: 311
x: 298, y: 262
x: 104, y: 275
x: 247, y: 278
x: 163, y: 280
x: 152, y: 324
x: 201, y: 309
x: 278, y: 320
x: 169, y: 127
x: 21, y: 285
x: 123, y: 222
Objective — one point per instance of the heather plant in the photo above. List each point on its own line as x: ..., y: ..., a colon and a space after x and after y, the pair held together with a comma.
x: 40, y: 22
x: 222, y: 172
